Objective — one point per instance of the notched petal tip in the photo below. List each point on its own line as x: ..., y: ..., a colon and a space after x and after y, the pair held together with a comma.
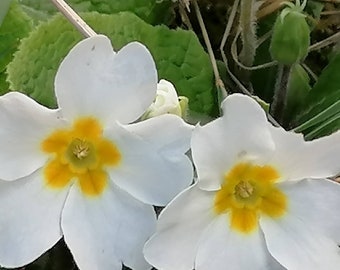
x: 91, y: 70
x: 142, y: 59
x: 238, y: 104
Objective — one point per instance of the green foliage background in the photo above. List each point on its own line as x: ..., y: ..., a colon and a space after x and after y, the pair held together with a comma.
x: 15, y: 25
x: 178, y: 55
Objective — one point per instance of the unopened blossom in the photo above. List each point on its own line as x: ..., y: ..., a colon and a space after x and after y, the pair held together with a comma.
x: 167, y: 102
x: 261, y: 200
x: 81, y: 171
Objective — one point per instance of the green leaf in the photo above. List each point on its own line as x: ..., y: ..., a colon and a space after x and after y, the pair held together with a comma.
x: 320, y: 113
x: 15, y: 26
x: 178, y: 55
x: 314, y: 8
x: 4, y: 6
x: 151, y: 11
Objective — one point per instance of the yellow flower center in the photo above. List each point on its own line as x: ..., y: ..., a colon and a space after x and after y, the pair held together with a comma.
x: 80, y: 153
x: 247, y: 192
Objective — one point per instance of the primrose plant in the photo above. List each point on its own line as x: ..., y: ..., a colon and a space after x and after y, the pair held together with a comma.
x: 251, y: 195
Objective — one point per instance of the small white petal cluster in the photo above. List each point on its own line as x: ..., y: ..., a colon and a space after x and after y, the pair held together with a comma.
x: 166, y: 101
x: 82, y: 171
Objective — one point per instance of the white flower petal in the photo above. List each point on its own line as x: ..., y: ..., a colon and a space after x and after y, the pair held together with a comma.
x: 24, y: 124
x: 179, y: 229
x: 297, y: 245
x: 242, y: 132
x: 93, y: 80
x: 144, y: 172
x: 298, y: 159
x: 210, y: 162
x: 168, y: 133
x: 222, y: 248
x: 30, y: 215
x: 166, y: 101
x: 315, y: 202
x: 104, y: 232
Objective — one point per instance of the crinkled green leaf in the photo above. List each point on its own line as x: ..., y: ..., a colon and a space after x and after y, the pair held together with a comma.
x: 151, y: 11
x: 178, y: 55
x: 15, y: 26
x: 321, y: 110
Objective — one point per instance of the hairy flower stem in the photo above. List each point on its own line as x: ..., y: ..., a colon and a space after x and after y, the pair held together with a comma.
x: 248, y: 10
x: 280, y: 92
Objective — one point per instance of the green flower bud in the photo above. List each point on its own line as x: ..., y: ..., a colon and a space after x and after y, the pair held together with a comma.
x: 290, y: 39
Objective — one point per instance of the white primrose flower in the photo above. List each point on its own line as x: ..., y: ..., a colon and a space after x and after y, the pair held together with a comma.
x: 260, y: 201
x: 81, y: 171
x: 167, y: 102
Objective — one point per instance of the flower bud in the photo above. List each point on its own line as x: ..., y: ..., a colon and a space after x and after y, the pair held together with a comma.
x: 290, y: 39
x: 167, y: 102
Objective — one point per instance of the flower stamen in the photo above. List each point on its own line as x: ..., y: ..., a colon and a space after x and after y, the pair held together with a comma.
x: 81, y: 149
x: 244, y: 189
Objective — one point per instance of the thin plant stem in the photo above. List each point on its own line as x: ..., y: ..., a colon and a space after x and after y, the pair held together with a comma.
x: 330, y: 12
x: 242, y: 88
x: 185, y: 3
x: 74, y: 18
x: 263, y: 38
x: 240, y: 64
x: 229, y: 25
x: 329, y: 1
x: 223, y: 43
x: 184, y: 15
x: 310, y: 72
x: 269, y: 7
x: 219, y: 83
x: 326, y: 42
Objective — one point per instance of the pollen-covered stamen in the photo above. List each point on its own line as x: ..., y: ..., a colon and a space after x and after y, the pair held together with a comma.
x: 247, y: 192
x: 81, y: 149
x: 81, y: 155
x: 243, y: 189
